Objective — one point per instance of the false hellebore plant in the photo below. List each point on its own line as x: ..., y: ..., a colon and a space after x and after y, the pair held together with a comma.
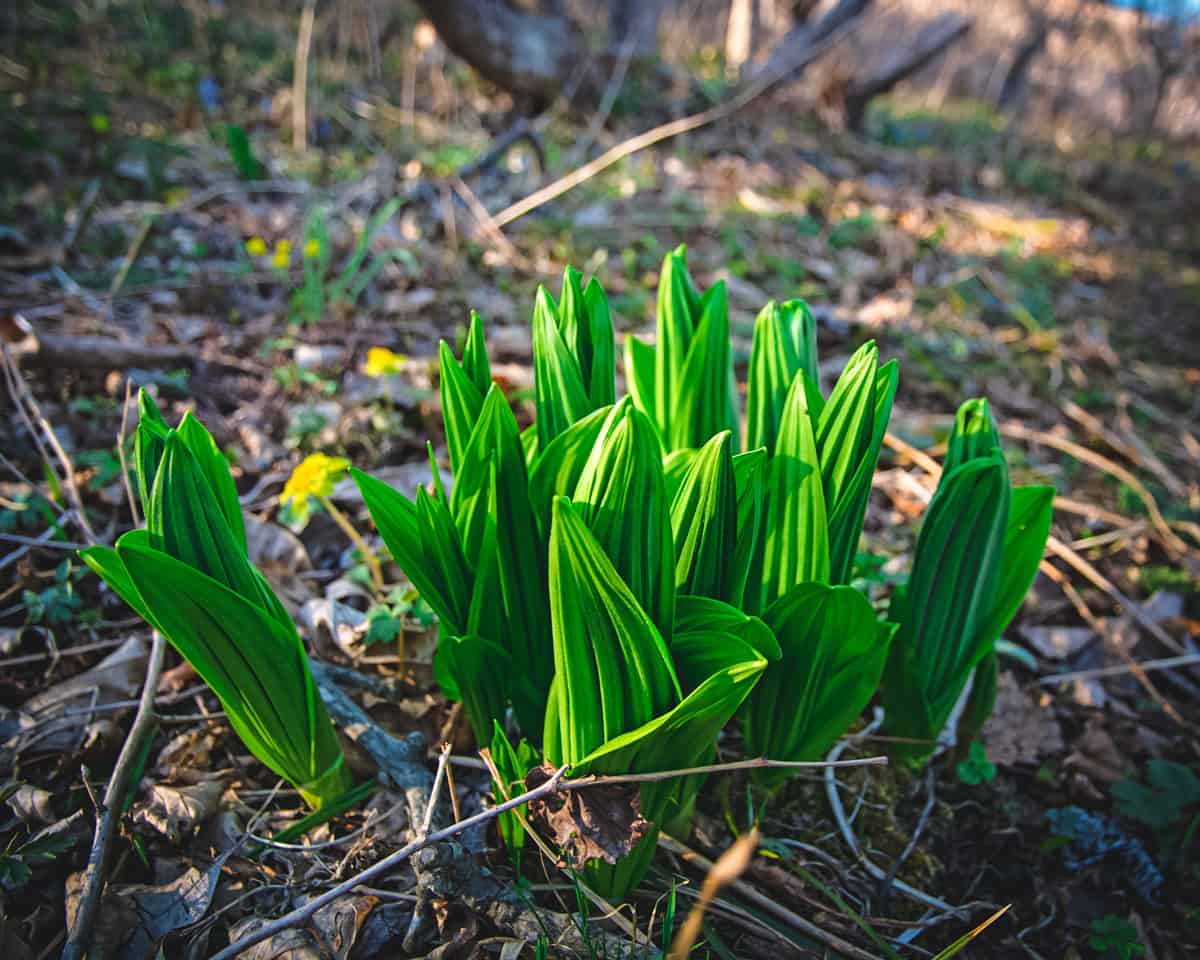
x: 976, y: 556
x: 188, y: 576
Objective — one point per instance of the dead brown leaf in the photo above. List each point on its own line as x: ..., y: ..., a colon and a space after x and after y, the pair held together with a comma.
x: 1022, y: 728
x: 600, y: 823
x: 176, y: 811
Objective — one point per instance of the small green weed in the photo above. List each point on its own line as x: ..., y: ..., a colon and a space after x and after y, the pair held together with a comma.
x: 977, y: 768
x: 1114, y: 936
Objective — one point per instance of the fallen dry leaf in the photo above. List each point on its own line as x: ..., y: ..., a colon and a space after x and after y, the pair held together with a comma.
x: 175, y: 811
x: 600, y: 823
x: 1023, y: 728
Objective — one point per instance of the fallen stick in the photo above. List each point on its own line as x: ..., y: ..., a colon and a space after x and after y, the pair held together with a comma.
x: 836, y: 24
x: 1166, y: 663
x: 110, y: 812
x: 383, y: 866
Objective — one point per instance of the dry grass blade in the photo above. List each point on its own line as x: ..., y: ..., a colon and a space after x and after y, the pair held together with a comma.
x: 956, y: 947
x: 1019, y: 431
x: 729, y: 866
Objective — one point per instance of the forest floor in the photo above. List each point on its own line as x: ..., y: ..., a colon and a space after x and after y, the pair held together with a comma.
x: 1064, y: 285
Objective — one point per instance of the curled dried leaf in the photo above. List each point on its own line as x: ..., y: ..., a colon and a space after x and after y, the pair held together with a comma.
x: 604, y: 822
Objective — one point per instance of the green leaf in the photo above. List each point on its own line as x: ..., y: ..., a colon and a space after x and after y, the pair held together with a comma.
x: 621, y: 497
x: 186, y: 521
x: 702, y: 405
x: 977, y: 769
x: 704, y: 523
x: 711, y: 635
x: 750, y: 479
x: 556, y: 469
x: 1030, y: 512
x: 512, y: 763
x: 560, y: 396
x: 482, y: 669
x: 801, y: 325
x: 640, y: 360
x: 602, y: 379
x: 612, y: 669
x: 215, y: 468
x: 773, y: 366
x: 475, y: 357
x: 795, y: 538
x: 855, y: 419
x: 949, y: 598
x: 677, y: 315
x: 494, y: 486
x: 833, y: 654
x: 423, y: 541
x: 150, y: 442
x: 106, y: 563
x: 461, y: 403
x: 253, y: 662
x: 974, y: 435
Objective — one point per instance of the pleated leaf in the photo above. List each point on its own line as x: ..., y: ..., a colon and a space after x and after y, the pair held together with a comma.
x: 423, y: 540
x: 974, y: 435
x: 586, y: 326
x: 461, y: 403
x: 795, y: 538
x: 702, y: 405
x: 833, y: 654
x: 750, y: 479
x: 640, y: 362
x: 850, y: 435
x: 613, y: 672
x: 185, y: 521
x: 475, y: 362
x: 149, y: 444
x: 621, y: 498
x: 560, y: 395
x: 773, y: 366
x: 677, y: 314
x: 801, y: 325
x: 512, y: 763
x: 255, y: 664
x: 215, y: 468
x: 504, y: 500
x: 556, y: 470
x: 1030, y: 513
x: 704, y: 523
x: 949, y: 599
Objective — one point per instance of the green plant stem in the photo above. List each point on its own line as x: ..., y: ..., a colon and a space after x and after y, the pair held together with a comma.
x: 368, y: 555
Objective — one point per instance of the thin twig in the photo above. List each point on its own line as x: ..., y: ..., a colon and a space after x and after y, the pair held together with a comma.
x: 383, y: 866
x: 607, y: 909
x: 757, y: 763
x: 438, y: 779
x: 1166, y: 663
x: 839, y: 814
x: 300, y: 77
x: 109, y: 815
x: 23, y: 396
x: 1018, y: 431
x: 662, y: 132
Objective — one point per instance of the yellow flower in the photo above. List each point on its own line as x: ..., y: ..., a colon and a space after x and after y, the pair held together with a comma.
x: 283, y: 254
x: 256, y: 246
x: 382, y: 362
x: 314, y: 477
x: 312, y: 248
